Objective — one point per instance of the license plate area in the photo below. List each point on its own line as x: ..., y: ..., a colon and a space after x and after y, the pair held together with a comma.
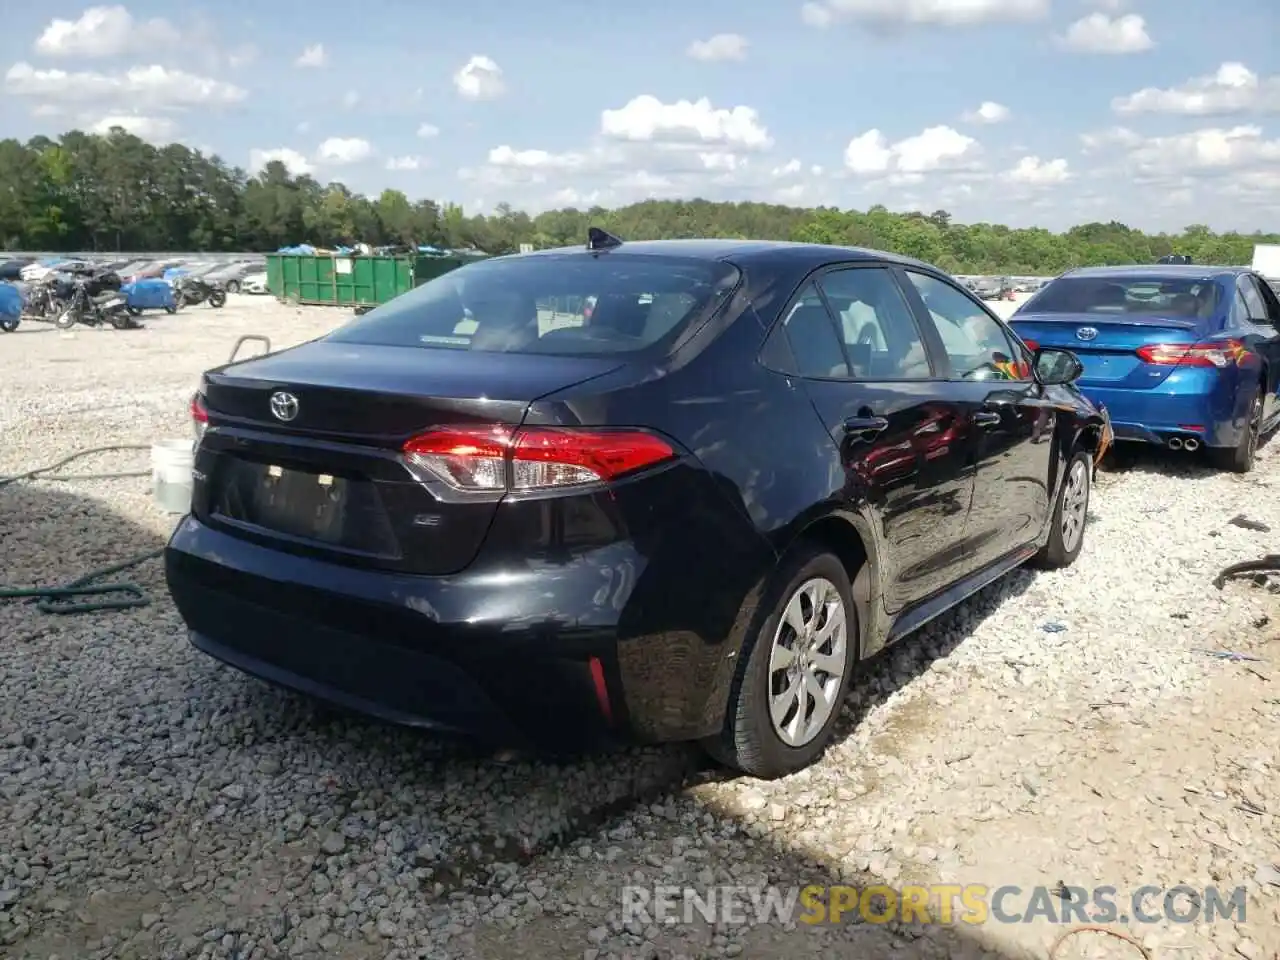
x: 342, y: 512
x: 1107, y: 365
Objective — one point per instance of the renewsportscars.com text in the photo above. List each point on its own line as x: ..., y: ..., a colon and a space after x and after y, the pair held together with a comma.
x: 937, y: 903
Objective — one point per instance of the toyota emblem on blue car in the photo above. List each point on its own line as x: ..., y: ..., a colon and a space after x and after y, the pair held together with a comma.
x: 1086, y: 333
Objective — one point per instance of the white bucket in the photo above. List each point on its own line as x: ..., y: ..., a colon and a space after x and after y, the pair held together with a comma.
x: 171, y: 465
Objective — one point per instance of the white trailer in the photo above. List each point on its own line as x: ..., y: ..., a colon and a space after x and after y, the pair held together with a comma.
x: 1266, y: 260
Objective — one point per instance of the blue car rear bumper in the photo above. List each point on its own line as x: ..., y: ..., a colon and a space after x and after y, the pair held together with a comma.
x: 1194, y: 402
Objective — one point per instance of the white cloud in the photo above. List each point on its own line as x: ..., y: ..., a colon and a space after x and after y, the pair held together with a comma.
x: 988, y: 112
x: 946, y: 13
x: 480, y: 79
x: 790, y: 168
x: 343, y: 151
x: 1099, y: 33
x: 242, y: 55
x: 647, y: 119
x: 721, y: 161
x: 723, y: 46
x: 293, y: 161
x: 1111, y: 6
x: 404, y: 163
x: 1206, y: 151
x: 569, y: 197
x: 1037, y: 172
x: 139, y: 87
x: 1232, y: 89
x: 643, y: 180
x: 511, y: 159
x: 1114, y: 137
x: 104, y: 32
x: 428, y: 130
x: 312, y: 56
x: 350, y: 99
x: 932, y: 149
x: 151, y: 129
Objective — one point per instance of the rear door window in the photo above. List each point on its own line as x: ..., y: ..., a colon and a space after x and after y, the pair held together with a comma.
x: 556, y: 304
x: 811, y: 334
x: 1258, y: 311
x: 879, y: 330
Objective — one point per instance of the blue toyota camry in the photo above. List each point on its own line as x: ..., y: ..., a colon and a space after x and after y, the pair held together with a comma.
x: 1184, y: 356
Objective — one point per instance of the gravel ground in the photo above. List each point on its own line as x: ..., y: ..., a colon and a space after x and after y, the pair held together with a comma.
x: 1057, y: 728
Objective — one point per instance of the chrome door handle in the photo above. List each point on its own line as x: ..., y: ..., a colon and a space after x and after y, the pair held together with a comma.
x: 868, y: 426
x: 986, y: 418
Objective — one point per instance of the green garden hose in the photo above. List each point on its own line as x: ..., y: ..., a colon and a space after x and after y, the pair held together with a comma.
x: 36, y: 474
x: 102, y: 596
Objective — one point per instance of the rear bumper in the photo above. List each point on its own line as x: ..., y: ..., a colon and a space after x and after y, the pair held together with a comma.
x: 545, y: 658
x: 1192, y: 403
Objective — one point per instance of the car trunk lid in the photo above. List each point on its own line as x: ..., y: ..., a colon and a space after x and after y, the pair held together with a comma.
x: 1108, y: 345
x: 320, y: 470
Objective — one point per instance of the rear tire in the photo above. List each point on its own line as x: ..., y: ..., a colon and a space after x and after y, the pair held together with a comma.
x: 1241, y: 457
x: 233, y: 286
x: 9, y: 324
x: 1070, y: 512
x: 65, y: 320
x: 770, y: 729
x: 217, y: 299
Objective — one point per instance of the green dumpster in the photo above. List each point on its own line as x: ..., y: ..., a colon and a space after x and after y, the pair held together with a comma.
x: 348, y: 281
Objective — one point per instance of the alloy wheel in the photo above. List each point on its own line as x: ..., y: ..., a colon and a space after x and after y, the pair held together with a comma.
x: 1255, y: 426
x: 807, y: 661
x: 1075, y: 505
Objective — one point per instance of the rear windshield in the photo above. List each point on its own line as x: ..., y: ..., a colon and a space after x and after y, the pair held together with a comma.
x: 572, y: 304
x: 1171, y: 297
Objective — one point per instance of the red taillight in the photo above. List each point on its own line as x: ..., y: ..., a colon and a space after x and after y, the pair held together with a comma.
x: 1032, y: 345
x: 199, y: 415
x: 497, y: 458
x: 1219, y: 353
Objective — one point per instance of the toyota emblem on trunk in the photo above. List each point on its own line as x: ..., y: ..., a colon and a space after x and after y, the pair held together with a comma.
x: 1084, y: 333
x: 284, y: 405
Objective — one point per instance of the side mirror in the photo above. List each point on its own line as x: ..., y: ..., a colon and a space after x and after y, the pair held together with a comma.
x: 1053, y: 366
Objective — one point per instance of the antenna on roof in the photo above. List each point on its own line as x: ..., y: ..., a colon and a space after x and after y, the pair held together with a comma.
x: 598, y: 239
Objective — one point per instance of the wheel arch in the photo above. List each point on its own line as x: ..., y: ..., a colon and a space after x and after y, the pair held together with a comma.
x: 855, y: 548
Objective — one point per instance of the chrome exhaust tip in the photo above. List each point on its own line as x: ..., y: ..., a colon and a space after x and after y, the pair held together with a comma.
x: 1191, y: 443
x: 1175, y: 443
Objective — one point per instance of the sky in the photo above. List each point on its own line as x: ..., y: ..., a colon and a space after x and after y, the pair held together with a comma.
x: 1022, y: 112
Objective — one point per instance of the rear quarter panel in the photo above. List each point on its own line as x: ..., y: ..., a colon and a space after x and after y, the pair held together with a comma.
x: 774, y: 466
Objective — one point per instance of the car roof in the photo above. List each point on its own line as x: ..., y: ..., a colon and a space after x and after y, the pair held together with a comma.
x: 744, y: 252
x: 1158, y: 271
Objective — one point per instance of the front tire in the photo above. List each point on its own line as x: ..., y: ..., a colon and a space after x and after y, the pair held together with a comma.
x: 1241, y: 457
x: 217, y: 299
x: 1070, y: 513
x: 233, y: 286
x: 793, y: 671
x: 66, y: 319
x: 9, y: 324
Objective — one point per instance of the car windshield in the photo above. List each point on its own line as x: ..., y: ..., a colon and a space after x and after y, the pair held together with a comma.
x: 555, y: 304
x: 1177, y: 297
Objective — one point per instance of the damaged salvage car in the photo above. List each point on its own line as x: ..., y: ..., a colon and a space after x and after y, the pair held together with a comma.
x: 689, y: 515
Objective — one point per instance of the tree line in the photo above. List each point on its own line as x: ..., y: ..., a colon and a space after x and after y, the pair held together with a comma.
x: 116, y: 192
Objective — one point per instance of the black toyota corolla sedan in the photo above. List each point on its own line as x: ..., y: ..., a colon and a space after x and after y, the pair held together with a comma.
x: 685, y: 513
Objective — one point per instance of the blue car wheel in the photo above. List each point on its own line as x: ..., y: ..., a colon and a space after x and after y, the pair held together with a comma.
x: 1241, y: 457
